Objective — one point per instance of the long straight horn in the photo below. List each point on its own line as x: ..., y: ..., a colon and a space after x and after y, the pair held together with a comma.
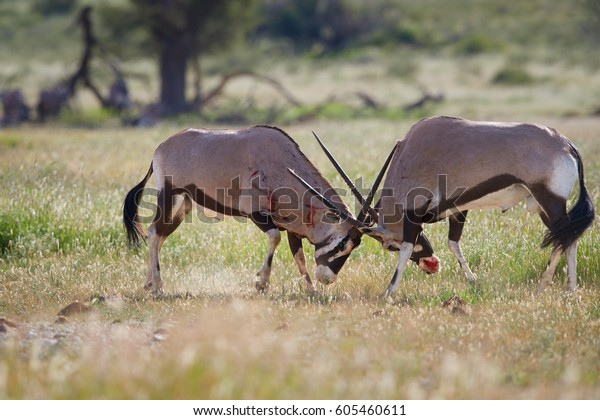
x: 362, y: 215
x: 335, y: 209
x: 346, y: 178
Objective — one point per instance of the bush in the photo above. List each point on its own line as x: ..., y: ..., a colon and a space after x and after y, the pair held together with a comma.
x: 513, y: 75
x: 54, y: 7
x: 477, y: 43
x: 88, y: 118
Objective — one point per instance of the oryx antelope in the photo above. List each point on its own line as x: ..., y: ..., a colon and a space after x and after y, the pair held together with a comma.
x: 243, y: 173
x: 447, y: 166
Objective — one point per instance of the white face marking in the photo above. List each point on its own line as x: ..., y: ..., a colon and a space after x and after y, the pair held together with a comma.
x: 347, y: 250
x: 329, y: 247
x: 418, y: 248
x: 324, y: 274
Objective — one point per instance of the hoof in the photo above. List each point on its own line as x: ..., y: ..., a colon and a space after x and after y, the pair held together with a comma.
x: 155, y: 290
x: 543, y: 285
x: 572, y: 289
x: 387, y: 297
x: 472, y: 278
x: 261, y: 286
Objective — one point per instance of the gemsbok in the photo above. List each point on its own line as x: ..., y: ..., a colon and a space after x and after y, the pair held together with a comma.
x: 243, y: 173
x: 446, y: 166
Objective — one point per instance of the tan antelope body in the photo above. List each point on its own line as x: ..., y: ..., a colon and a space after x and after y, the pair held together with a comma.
x: 447, y: 166
x: 243, y: 173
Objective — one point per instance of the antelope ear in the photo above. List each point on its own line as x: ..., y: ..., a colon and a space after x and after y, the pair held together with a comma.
x: 333, y: 216
x: 374, y: 232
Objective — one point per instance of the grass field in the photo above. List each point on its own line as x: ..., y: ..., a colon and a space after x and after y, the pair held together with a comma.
x: 213, y: 336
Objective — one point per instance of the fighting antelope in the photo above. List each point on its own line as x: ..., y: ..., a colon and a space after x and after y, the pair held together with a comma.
x: 447, y: 166
x: 243, y: 173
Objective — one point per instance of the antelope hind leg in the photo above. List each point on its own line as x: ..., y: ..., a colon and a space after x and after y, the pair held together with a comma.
x: 546, y: 278
x: 265, y: 272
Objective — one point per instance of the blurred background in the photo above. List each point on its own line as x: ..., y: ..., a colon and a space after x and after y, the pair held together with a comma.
x: 240, y: 62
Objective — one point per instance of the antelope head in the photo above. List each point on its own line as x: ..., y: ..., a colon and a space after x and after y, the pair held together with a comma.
x: 366, y: 222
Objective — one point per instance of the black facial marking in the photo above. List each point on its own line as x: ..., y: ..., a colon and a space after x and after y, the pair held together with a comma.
x: 337, y: 264
x: 425, y: 252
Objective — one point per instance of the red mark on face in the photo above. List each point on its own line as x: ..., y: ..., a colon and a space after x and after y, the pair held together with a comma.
x: 254, y: 174
x: 430, y: 264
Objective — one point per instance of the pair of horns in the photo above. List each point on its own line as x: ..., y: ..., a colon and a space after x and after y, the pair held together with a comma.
x: 367, y: 215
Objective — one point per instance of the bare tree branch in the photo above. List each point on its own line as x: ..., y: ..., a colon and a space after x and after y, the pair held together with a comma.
x: 218, y: 90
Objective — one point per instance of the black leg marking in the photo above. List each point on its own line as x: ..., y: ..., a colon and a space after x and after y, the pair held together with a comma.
x: 413, y: 226
x: 457, y: 223
x: 392, y: 282
x: 263, y: 221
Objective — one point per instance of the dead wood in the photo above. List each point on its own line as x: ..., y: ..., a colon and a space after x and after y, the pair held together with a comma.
x: 276, y: 84
x: 52, y: 100
x: 421, y: 102
x: 83, y: 72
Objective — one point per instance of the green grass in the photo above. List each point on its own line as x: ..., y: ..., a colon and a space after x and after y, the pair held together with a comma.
x: 213, y: 336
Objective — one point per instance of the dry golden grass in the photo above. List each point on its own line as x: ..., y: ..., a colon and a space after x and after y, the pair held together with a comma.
x: 213, y: 336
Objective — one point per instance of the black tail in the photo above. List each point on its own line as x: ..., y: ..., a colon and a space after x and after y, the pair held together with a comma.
x: 135, y: 230
x: 566, y: 230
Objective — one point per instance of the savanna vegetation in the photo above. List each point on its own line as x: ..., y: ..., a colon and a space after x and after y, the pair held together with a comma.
x: 212, y: 335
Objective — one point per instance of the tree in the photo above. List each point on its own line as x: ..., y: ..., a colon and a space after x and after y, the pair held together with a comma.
x: 180, y: 31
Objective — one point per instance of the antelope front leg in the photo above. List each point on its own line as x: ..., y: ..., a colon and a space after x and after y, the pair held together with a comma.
x: 265, y: 272
x: 457, y: 223
x: 406, y: 250
x: 295, y: 243
x: 455, y: 248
